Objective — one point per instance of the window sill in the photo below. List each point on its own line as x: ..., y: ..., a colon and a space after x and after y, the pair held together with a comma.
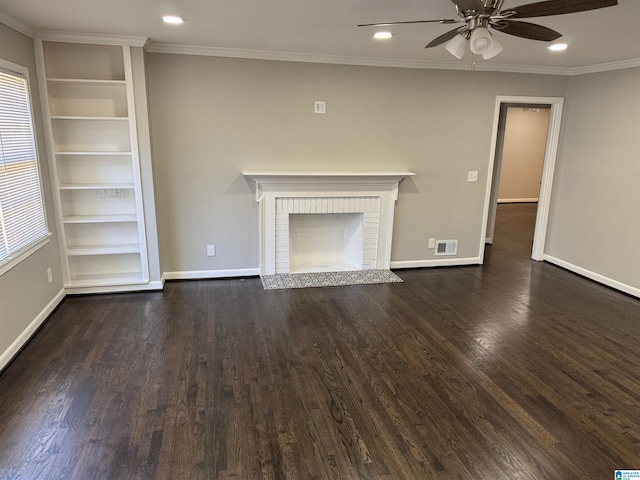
x: 22, y: 255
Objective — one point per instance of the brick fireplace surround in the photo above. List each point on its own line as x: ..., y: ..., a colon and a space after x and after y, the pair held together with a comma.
x: 371, y: 196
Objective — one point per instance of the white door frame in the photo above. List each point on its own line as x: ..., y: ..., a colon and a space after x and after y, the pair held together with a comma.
x: 548, y: 169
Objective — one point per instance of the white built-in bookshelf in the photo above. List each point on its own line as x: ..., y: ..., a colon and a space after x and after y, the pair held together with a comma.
x: 89, y: 109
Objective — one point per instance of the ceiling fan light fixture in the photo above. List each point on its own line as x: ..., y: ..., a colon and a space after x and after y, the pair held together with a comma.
x: 480, y: 40
x: 494, y: 49
x: 480, y: 15
x: 456, y: 46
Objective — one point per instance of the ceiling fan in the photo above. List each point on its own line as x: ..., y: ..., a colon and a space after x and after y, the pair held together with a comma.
x: 480, y: 15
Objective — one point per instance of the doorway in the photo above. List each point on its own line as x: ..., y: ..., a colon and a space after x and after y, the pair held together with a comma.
x: 554, y: 105
x: 517, y: 170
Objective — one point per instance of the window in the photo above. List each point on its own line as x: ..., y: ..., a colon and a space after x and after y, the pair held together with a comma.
x: 23, y: 227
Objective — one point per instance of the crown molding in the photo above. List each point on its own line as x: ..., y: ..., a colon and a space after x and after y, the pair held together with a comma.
x: 56, y: 36
x: 298, y: 57
x: 534, y: 69
x: 385, y: 62
x: 347, y: 60
x: 17, y: 25
x: 606, y: 67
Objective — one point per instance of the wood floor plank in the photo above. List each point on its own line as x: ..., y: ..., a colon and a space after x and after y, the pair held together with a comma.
x: 513, y: 369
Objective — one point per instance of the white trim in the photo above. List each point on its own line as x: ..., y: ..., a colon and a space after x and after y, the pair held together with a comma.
x: 517, y: 200
x: 135, y: 161
x: 444, y: 262
x: 204, y: 274
x: 506, y: 68
x: 348, y: 60
x: 133, y: 287
x: 546, y: 183
x: 313, y: 177
x: 548, y: 168
x: 596, y: 277
x: 300, y: 57
x: 92, y: 38
x: 50, y: 148
x: 606, y: 67
x: 146, y: 167
x: 178, y: 49
x: 17, y: 25
x: 28, y: 332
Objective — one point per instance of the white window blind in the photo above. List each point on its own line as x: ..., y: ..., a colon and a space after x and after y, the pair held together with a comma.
x: 22, y: 220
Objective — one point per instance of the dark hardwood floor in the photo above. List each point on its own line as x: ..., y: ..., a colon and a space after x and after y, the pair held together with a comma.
x: 513, y: 370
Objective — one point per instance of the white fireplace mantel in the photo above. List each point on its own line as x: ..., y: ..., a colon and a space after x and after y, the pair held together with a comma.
x: 289, y: 192
x: 271, y: 179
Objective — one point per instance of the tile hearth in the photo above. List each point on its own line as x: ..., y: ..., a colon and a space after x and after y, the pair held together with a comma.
x: 328, y: 279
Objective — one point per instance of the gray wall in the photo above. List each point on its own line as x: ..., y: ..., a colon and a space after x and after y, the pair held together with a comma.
x: 212, y: 118
x: 595, y: 211
x: 24, y: 290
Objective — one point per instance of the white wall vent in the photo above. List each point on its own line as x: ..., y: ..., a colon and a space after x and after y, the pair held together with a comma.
x: 446, y: 247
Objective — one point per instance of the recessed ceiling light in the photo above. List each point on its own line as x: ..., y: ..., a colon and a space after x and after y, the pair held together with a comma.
x: 172, y: 19
x: 382, y: 35
x: 557, y: 47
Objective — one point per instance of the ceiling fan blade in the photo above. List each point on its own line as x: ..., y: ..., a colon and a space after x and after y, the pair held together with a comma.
x: 443, y: 38
x: 526, y: 30
x: 558, y: 7
x: 445, y: 21
x: 464, y: 5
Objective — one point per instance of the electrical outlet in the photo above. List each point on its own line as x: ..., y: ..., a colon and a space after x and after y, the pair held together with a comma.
x: 432, y: 243
x: 472, y: 176
x: 319, y: 107
x: 211, y: 250
x: 49, y: 275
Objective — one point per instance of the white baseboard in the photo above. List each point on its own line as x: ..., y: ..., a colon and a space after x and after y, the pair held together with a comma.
x: 28, y: 332
x: 609, y: 282
x: 142, y: 287
x: 517, y: 200
x: 202, y: 274
x: 445, y: 262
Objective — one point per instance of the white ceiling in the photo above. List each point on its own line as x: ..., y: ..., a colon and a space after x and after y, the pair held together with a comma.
x: 325, y: 30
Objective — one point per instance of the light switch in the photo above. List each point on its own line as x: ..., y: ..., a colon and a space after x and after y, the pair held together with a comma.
x: 319, y: 107
x: 472, y: 176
